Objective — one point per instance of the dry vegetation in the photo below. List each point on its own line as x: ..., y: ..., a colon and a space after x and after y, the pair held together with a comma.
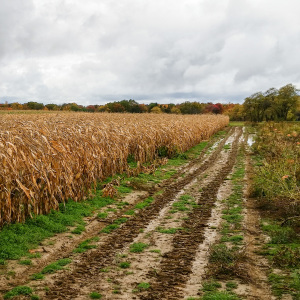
x: 48, y: 159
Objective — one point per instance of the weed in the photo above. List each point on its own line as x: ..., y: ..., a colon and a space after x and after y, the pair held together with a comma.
x: 124, y: 265
x: 37, y: 276
x: 85, y: 245
x: 124, y: 189
x: 138, y: 247
x: 52, y: 268
x: 129, y: 212
x: 145, y: 203
x: 104, y: 270
x: 155, y: 251
x: 210, y: 286
x: 120, y: 221
x: 19, y: 290
x: 78, y: 230
x: 231, y: 285
x: 226, y: 261
x: 102, y: 215
x: 110, y: 228
x: 95, y: 295
x: 143, y: 286
x: 220, y: 296
x: 169, y: 230
x: 26, y: 262
x: 34, y: 297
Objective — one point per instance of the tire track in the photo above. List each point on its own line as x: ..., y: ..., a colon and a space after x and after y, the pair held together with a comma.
x: 177, y: 264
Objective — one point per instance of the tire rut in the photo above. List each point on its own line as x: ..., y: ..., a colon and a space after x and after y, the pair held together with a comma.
x: 68, y: 286
x: 176, y: 265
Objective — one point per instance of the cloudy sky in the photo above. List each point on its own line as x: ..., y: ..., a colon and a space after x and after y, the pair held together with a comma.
x: 95, y: 51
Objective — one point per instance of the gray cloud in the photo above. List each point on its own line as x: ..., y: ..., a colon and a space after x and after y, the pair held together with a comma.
x: 98, y: 51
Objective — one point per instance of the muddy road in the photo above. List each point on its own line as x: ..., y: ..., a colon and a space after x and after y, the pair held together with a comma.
x: 160, y: 251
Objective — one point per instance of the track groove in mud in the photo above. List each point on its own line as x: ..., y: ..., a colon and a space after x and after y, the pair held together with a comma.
x: 176, y: 265
x: 69, y: 286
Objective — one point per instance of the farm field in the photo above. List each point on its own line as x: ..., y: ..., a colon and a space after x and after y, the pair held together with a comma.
x: 190, y: 227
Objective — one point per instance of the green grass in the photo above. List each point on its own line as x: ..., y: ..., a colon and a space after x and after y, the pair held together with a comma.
x: 17, y: 239
x: 138, y: 247
x: 95, y: 295
x: 26, y: 262
x: 143, y: 286
x: 210, y: 286
x: 124, y: 189
x: 78, y: 230
x: 124, y: 265
x: 56, y: 266
x: 102, y: 215
x: 19, y: 290
x: 86, y: 245
x: 145, y: 203
x: 129, y: 212
x: 37, y: 276
x: 220, y: 295
x: 230, y: 285
x: 155, y: 251
x: 168, y: 230
x: 110, y: 228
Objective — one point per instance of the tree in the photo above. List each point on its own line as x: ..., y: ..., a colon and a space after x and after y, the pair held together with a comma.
x: 156, y: 110
x: 191, y: 107
x: 286, y: 102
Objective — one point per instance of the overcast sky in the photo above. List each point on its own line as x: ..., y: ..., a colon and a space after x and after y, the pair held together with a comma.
x: 96, y: 51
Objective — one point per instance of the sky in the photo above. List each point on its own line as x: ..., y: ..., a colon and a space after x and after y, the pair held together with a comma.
x: 165, y: 51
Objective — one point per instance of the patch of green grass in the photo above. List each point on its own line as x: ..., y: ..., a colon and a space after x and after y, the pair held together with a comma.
x: 104, y: 270
x: 138, y: 247
x: 26, y: 262
x: 2, y: 262
x: 230, y: 285
x: 124, y: 189
x: 155, y: 251
x: 19, y: 290
x: 95, y: 295
x: 110, y: 228
x: 58, y: 265
x: 17, y: 239
x: 86, y: 245
x: 280, y: 234
x: 145, y: 203
x: 124, y: 265
x: 210, y: 286
x: 120, y: 221
x: 168, y: 230
x: 34, y: 297
x: 143, y: 286
x: 220, y: 295
x: 102, y: 215
x: 78, y: 230
x: 236, y: 239
x: 37, y: 276
x: 234, y: 218
x: 129, y: 212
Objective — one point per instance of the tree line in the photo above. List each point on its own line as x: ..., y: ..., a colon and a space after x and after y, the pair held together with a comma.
x: 130, y: 106
x: 274, y: 104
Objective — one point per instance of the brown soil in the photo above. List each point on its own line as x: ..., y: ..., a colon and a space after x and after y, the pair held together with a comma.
x: 173, y: 264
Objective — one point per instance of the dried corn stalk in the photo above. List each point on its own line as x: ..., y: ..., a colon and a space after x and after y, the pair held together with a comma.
x: 46, y: 159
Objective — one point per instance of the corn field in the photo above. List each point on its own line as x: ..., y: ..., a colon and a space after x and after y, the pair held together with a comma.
x: 46, y: 159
